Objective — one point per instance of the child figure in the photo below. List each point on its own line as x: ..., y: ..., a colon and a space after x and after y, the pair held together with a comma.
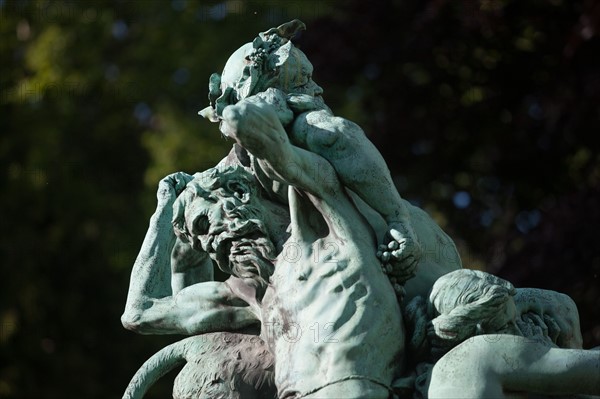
x: 476, y: 336
x: 272, y: 70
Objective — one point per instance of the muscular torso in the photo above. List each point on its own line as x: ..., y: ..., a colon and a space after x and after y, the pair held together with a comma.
x: 330, y: 314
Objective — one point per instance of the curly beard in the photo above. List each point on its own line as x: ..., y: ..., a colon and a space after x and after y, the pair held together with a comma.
x: 244, y: 249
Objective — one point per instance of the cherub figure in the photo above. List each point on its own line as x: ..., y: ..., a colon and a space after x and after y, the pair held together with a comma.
x: 288, y: 183
x: 327, y: 313
x: 479, y: 337
x: 272, y: 70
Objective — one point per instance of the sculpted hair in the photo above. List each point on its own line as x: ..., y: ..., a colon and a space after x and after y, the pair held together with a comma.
x: 465, y: 303
x: 461, y: 304
x: 252, y: 252
x: 231, y: 182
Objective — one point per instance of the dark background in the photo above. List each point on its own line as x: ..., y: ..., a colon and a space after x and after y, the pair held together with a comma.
x: 487, y: 113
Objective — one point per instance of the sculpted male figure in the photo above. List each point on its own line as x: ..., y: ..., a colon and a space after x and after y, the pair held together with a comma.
x: 324, y: 304
x: 482, y: 338
x: 271, y: 69
x: 329, y: 314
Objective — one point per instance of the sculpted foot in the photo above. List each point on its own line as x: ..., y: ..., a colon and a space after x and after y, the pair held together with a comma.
x: 400, y: 255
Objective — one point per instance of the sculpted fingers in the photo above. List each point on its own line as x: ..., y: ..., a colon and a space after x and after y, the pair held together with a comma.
x: 248, y: 119
x: 396, y: 235
x: 171, y: 186
x: 400, y: 256
x: 277, y: 100
x: 403, y: 239
x: 166, y: 192
x: 536, y: 328
x: 539, y: 323
x: 554, y: 329
x: 256, y: 127
x: 179, y: 180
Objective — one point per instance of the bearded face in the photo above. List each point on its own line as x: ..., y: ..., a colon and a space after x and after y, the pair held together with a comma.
x: 222, y: 216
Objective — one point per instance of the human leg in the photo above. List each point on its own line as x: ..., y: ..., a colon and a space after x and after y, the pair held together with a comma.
x: 361, y: 168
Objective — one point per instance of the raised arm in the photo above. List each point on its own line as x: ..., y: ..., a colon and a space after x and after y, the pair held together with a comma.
x: 256, y: 127
x: 156, y: 304
x: 189, y: 266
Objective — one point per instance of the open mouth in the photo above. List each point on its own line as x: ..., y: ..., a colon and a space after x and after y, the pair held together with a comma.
x: 226, y: 246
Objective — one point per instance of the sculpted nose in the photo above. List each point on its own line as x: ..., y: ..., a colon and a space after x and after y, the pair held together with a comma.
x: 217, y: 217
x: 318, y: 90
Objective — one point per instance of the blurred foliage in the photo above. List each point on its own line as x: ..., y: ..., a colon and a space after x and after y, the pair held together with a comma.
x: 486, y: 111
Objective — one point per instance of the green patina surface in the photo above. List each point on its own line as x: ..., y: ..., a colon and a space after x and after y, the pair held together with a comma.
x: 323, y: 254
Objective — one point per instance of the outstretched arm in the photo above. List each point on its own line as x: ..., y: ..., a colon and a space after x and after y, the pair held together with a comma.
x: 488, y: 366
x: 153, y: 305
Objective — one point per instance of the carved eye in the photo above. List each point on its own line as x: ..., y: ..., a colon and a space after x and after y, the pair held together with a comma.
x: 200, y: 226
x: 302, y: 81
x: 238, y: 189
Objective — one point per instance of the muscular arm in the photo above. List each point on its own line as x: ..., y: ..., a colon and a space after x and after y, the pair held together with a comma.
x: 200, y: 308
x: 189, y: 266
x: 361, y: 168
x: 492, y: 365
x: 256, y: 127
x: 155, y: 307
x: 357, y: 161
